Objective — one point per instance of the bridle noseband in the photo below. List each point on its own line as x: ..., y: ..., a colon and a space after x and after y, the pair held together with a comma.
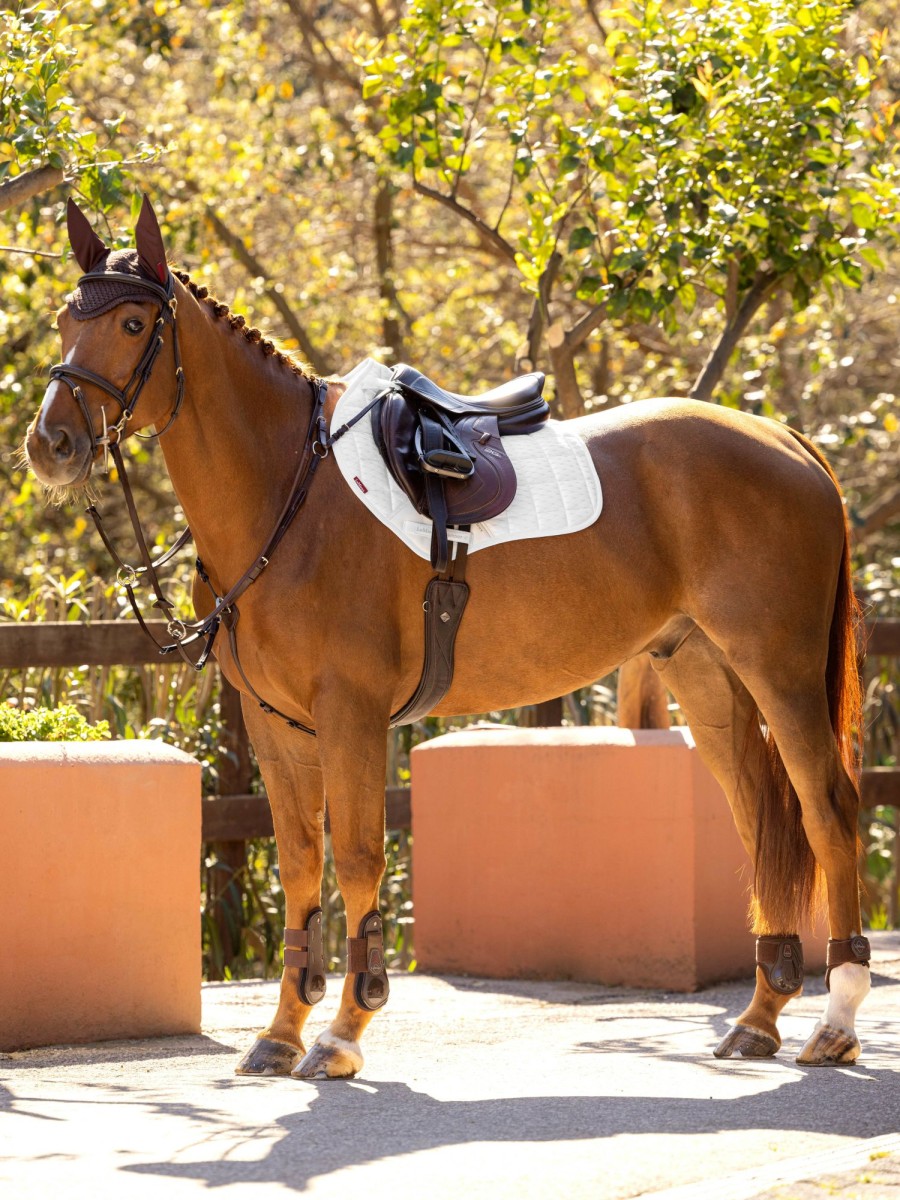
x: 127, y: 397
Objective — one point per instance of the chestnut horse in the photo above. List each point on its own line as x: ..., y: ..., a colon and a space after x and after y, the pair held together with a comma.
x: 722, y: 550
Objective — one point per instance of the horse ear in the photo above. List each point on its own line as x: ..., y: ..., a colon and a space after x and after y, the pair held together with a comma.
x: 150, y: 248
x: 86, y: 246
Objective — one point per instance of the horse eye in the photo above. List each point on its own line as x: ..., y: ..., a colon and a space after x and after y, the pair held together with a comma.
x: 133, y: 325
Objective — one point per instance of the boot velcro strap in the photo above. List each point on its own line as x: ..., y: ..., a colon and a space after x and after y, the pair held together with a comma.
x: 296, y: 943
x: 781, y: 961
x: 366, y: 954
x: 846, y: 950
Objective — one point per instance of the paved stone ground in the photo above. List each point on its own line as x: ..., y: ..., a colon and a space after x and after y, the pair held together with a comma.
x: 473, y: 1089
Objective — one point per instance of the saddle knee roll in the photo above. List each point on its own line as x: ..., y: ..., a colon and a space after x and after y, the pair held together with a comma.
x: 305, y: 948
x: 781, y: 961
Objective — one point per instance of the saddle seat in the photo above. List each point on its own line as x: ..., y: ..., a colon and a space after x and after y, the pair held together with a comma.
x: 446, y: 451
x: 517, y: 400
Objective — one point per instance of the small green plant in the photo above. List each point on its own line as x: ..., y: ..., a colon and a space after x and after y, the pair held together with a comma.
x: 64, y: 724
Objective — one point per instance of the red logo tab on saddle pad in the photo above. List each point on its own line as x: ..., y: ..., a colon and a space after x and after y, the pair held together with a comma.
x: 359, y: 483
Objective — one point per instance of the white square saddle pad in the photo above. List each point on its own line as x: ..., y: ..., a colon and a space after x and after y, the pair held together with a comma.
x: 558, y: 490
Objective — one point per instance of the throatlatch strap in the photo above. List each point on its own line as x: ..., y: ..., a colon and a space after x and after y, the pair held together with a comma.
x: 781, y: 960
x: 305, y: 948
x: 846, y: 950
x: 365, y: 959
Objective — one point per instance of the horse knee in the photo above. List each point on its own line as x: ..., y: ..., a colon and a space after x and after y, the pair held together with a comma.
x: 359, y: 868
x: 298, y: 864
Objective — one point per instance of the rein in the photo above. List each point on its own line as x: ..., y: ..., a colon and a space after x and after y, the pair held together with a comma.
x: 315, y: 448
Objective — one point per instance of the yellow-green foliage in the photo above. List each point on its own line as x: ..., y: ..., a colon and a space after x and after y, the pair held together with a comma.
x: 65, y: 724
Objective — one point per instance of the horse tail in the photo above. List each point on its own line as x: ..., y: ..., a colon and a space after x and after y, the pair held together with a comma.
x: 788, y: 883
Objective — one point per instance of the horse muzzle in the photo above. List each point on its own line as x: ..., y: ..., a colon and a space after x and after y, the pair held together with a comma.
x: 59, y: 454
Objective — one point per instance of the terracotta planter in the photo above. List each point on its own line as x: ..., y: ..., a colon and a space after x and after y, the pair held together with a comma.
x: 99, y: 892
x: 600, y: 854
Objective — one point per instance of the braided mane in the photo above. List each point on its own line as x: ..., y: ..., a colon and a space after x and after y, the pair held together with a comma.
x: 239, y: 324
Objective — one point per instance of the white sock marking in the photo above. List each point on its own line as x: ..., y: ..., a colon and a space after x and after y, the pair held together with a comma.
x: 850, y: 984
x: 351, y: 1049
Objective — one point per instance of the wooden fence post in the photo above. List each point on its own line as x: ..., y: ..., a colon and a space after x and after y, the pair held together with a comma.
x: 225, y: 882
x: 549, y: 713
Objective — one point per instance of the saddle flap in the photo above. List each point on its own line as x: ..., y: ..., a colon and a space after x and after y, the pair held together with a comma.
x: 487, y: 492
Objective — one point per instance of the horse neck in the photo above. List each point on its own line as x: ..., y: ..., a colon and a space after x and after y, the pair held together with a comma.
x: 234, y: 449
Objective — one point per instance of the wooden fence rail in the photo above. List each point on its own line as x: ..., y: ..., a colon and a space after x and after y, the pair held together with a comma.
x: 236, y: 815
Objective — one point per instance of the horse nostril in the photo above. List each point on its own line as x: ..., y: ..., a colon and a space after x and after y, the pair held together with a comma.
x: 61, y: 445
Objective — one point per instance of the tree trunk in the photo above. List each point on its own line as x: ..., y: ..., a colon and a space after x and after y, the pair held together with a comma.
x: 562, y: 360
x: 391, y: 328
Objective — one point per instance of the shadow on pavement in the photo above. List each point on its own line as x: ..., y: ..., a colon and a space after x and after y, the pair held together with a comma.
x: 354, y: 1124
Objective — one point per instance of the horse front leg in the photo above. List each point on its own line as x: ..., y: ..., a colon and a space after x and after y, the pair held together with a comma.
x: 353, y: 746
x: 289, y: 762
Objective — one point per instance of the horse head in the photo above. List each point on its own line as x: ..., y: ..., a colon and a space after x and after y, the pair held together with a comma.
x: 113, y: 329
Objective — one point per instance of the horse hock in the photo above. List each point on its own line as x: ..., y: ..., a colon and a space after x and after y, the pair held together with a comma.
x: 779, y: 976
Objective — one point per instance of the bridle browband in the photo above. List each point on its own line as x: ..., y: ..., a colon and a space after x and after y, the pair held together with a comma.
x: 315, y: 449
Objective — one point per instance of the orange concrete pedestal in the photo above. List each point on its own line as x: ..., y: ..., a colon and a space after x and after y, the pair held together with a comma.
x: 99, y: 892
x: 586, y: 853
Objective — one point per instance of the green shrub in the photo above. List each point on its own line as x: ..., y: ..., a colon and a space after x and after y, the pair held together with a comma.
x: 64, y: 724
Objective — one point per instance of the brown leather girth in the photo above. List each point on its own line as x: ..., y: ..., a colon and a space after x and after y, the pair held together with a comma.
x: 846, y: 950
x: 365, y: 959
x: 781, y: 960
x: 446, y: 597
x: 305, y: 948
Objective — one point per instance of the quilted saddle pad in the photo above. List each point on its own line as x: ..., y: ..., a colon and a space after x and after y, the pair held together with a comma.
x: 558, y: 489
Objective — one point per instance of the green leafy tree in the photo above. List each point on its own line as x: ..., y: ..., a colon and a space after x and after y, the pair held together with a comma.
x: 718, y: 152
x: 44, y: 137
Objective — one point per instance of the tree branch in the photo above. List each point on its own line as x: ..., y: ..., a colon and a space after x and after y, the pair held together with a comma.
x: 28, y: 250
x: 318, y: 361
x: 595, y: 17
x: 582, y: 330
x: 490, y: 239
x: 879, y: 515
x: 761, y: 289
x: 21, y: 189
x: 311, y: 32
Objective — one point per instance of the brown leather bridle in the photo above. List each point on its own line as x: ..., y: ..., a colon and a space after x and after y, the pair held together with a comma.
x: 316, y: 447
x: 127, y: 397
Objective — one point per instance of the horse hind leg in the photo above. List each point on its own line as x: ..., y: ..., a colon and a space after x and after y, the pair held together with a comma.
x: 800, y: 721
x: 724, y: 721
x: 289, y: 763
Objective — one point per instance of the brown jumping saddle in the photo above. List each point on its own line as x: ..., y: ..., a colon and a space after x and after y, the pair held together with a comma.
x: 446, y: 451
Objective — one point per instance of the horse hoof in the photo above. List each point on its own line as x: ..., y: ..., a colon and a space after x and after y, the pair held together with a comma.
x: 330, y: 1058
x: 268, y: 1057
x: 748, y: 1042
x: 828, y: 1046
